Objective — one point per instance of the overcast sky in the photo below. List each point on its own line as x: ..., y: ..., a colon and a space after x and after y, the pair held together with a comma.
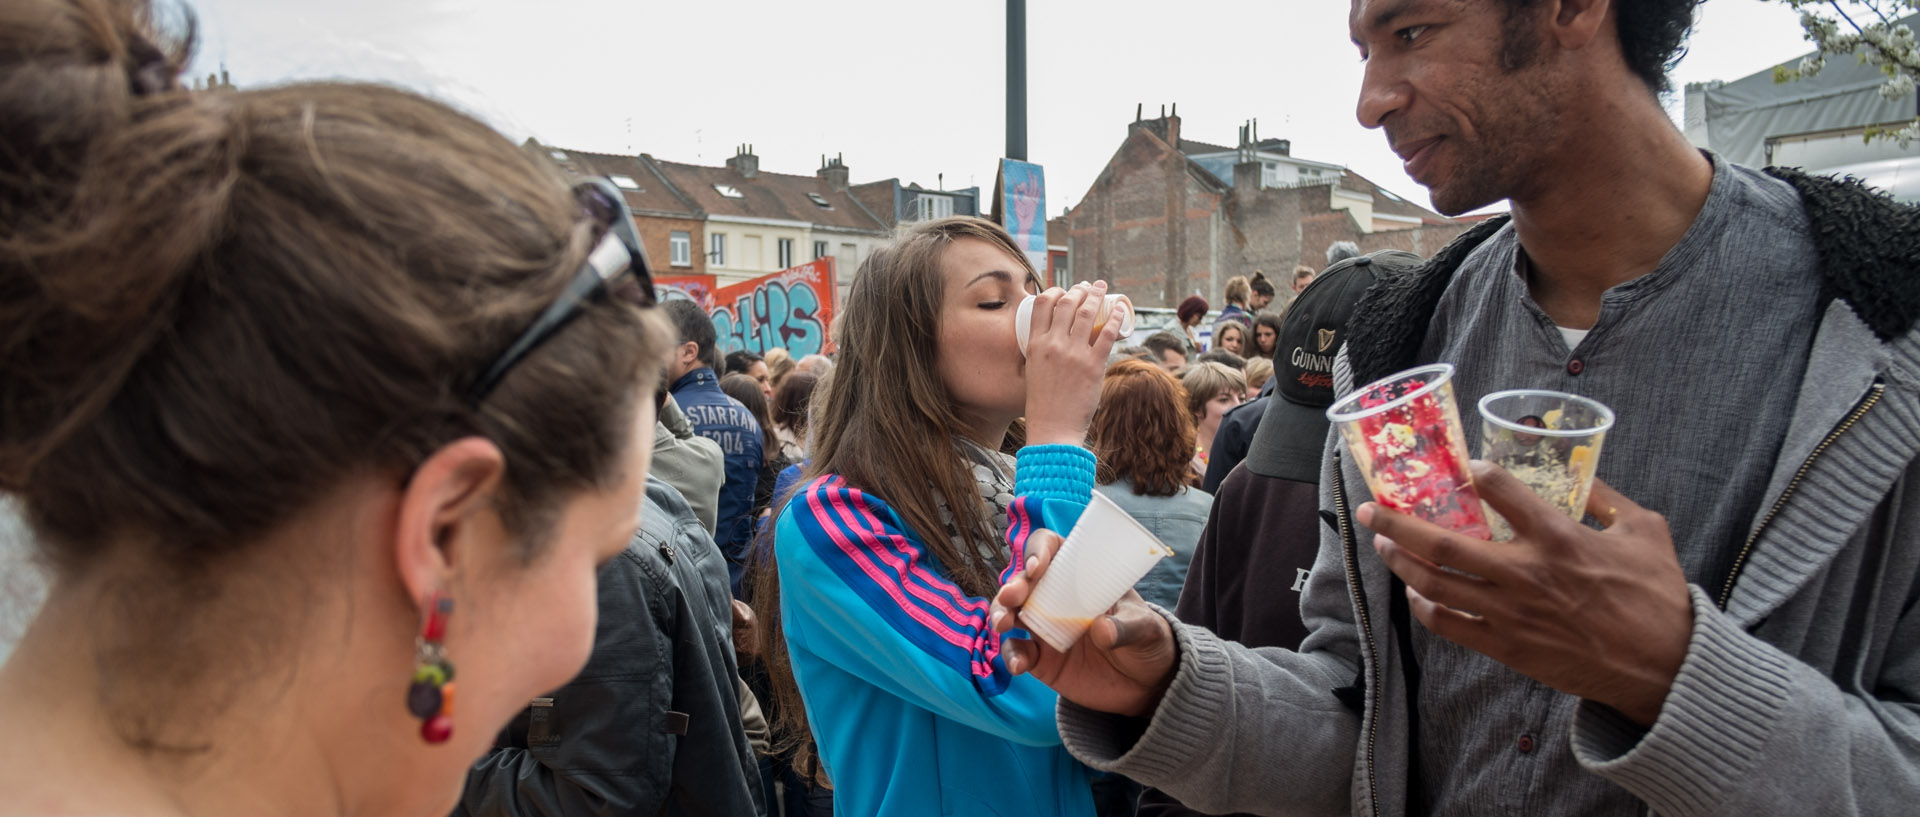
x: 902, y: 89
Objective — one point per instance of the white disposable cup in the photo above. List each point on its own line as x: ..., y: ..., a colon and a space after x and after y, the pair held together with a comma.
x: 1107, y: 552
x: 1023, y: 319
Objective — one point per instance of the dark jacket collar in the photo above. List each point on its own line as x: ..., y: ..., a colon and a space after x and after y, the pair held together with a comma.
x: 1868, y: 245
x: 704, y: 374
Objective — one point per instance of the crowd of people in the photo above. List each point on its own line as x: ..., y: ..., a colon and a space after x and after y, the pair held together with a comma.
x: 373, y: 477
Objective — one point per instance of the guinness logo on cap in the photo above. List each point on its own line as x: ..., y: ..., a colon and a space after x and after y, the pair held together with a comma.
x: 1326, y: 339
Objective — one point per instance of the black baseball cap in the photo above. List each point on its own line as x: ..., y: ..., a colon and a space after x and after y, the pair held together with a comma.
x: 1293, y: 431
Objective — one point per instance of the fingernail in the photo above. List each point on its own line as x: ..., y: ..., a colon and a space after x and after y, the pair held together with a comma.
x: 1032, y: 562
x: 1364, y: 514
x: 994, y: 620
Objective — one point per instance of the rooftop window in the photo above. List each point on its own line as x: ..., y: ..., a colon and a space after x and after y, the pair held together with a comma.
x: 625, y: 182
x: 729, y: 191
x: 820, y: 201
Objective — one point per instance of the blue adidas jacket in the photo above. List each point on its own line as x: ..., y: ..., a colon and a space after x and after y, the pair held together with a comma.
x: 723, y: 420
x: 906, y: 690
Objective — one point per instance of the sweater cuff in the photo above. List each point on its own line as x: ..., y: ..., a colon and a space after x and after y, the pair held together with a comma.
x: 1054, y: 472
x: 1186, y: 727
x: 1711, y: 730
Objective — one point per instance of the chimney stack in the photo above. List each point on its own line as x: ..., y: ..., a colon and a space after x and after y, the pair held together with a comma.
x: 834, y: 173
x: 744, y: 162
x: 1248, y: 176
x: 1167, y: 127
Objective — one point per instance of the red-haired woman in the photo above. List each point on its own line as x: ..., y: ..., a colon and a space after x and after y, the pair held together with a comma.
x: 1143, y: 435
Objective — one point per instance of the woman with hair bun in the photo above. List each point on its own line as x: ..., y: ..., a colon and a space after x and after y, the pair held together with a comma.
x: 1262, y: 292
x: 309, y: 395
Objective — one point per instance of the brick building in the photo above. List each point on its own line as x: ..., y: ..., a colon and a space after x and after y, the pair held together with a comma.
x: 670, y: 224
x: 734, y: 222
x: 1170, y: 217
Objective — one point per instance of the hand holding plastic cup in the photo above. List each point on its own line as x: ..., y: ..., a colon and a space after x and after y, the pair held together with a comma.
x: 1107, y: 553
x: 1404, y: 432
x: 1023, y: 319
x: 1548, y: 440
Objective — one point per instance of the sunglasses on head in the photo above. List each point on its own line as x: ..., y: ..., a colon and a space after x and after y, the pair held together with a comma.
x: 616, y: 266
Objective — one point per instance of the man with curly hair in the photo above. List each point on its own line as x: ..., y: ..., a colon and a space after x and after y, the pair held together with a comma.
x: 1734, y: 631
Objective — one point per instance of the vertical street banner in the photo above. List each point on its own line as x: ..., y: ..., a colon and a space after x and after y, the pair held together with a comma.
x: 790, y: 309
x: 1020, y: 205
x: 695, y: 288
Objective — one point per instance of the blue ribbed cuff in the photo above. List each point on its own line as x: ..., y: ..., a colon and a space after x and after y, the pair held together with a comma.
x: 1063, y: 472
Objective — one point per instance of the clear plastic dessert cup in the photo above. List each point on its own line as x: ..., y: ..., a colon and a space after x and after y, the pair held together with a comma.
x: 1548, y: 440
x: 1105, y: 554
x: 1405, y: 434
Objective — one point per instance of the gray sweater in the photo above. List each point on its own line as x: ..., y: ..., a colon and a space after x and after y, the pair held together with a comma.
x: 1795, y: 694
x: 694, y: 465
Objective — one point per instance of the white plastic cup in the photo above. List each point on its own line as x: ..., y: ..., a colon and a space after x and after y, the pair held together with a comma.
x: 1107, y: 553
x: 1023, y: 319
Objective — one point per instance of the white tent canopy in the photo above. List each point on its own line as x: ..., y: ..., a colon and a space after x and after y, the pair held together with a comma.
x: 1815, y: 122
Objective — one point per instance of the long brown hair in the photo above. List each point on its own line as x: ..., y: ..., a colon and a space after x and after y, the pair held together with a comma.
x: 1142, y: 431
x: 884, y: 423
x: 215, y: 307
x: 791, y: 400
x: 744, y: 388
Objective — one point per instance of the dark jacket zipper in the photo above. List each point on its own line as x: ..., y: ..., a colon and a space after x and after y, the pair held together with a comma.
x: 1866, y: 404
x: 1349, y: 546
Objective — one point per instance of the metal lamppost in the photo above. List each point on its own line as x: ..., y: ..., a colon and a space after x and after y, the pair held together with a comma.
x: 1017, y: 79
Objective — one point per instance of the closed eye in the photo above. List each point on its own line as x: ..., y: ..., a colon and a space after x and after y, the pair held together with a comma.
x: 992, y: 304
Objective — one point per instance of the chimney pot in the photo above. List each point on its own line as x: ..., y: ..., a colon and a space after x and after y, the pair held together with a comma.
x: 834, y: 173
x: 744, y: 162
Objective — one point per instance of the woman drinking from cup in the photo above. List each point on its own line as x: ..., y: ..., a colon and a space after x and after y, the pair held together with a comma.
x: 908, y: 519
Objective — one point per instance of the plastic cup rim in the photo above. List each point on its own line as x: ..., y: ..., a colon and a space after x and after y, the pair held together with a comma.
x: 1023, y: 323
x: 1445, y: 370
x: 1605, y: 424
x: 1106, y: 501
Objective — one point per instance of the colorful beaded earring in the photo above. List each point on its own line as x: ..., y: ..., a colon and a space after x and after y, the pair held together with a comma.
x: 430, y: 696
